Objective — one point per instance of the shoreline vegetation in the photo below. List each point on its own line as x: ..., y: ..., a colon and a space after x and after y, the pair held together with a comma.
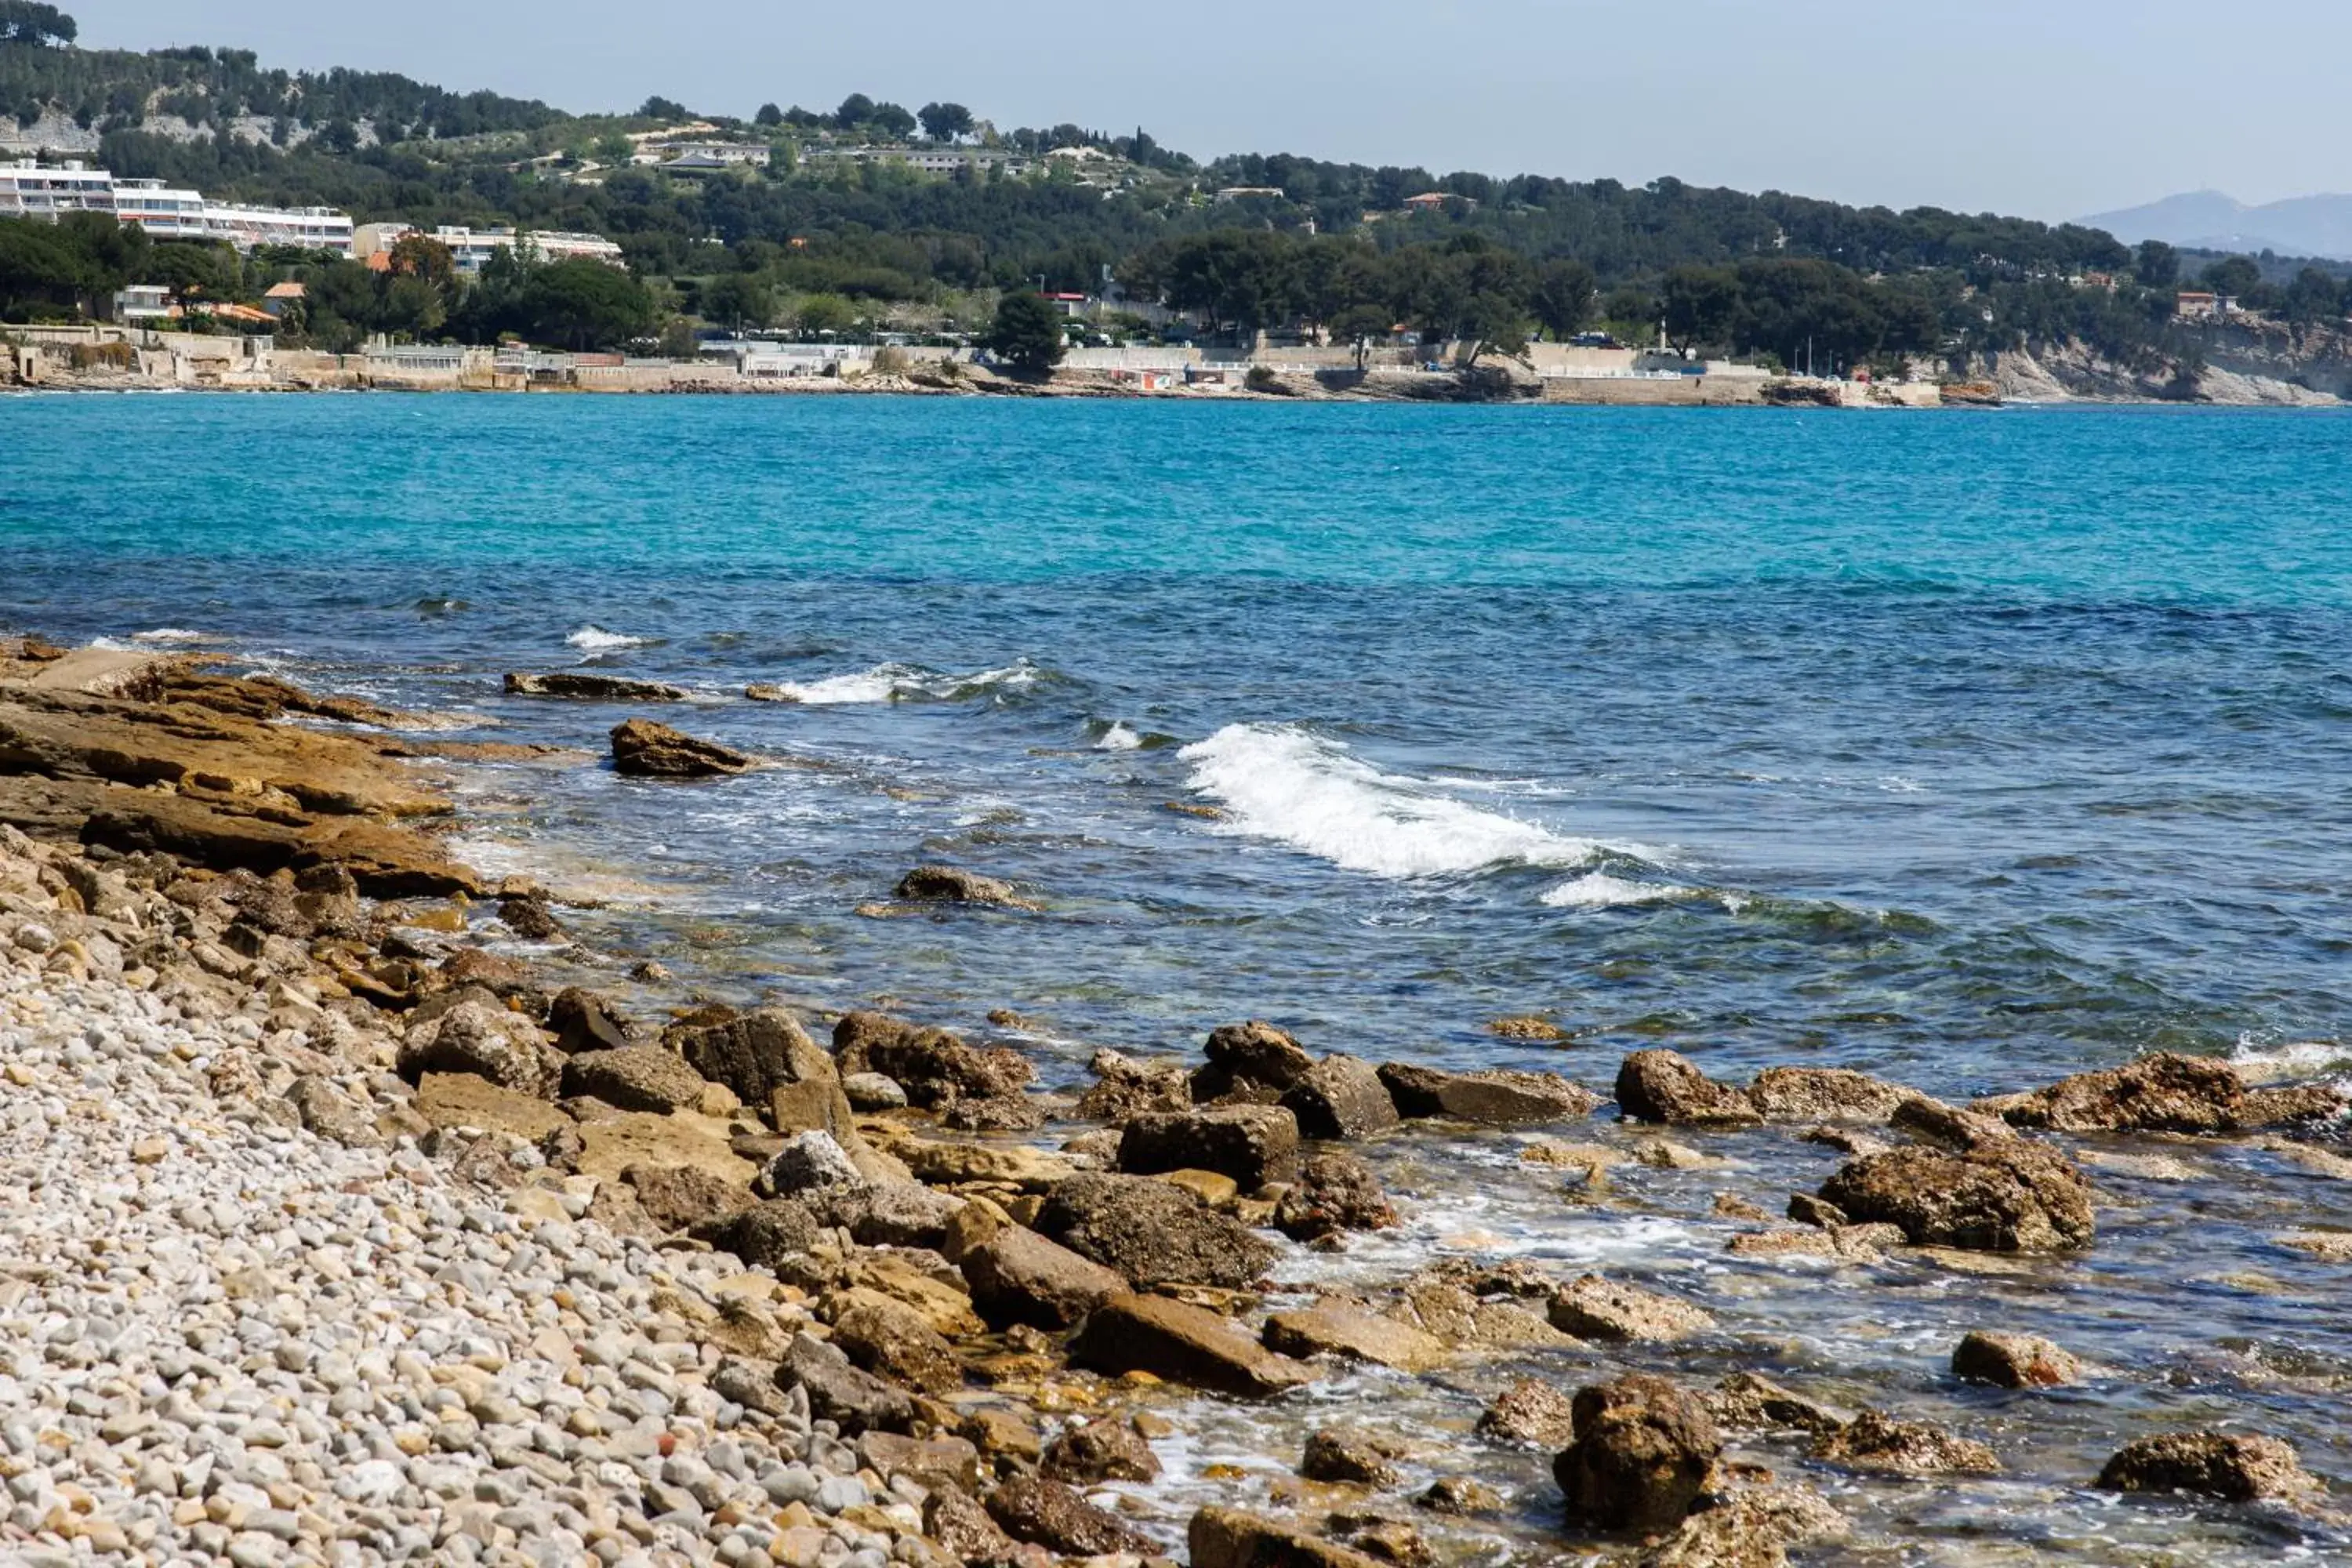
x: 361, y: 1213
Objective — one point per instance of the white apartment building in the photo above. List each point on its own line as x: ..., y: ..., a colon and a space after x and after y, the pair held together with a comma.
x: 33, y: 190
x: 470, y: 250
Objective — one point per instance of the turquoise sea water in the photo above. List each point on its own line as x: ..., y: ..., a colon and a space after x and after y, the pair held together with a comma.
x: 1971, y: 749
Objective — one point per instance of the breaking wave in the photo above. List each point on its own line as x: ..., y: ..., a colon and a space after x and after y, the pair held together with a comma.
x: 913, y: 683
x: 1281, y: 783
x: 1600, y: 891
x: 170, y: 634
x: 596, y: 639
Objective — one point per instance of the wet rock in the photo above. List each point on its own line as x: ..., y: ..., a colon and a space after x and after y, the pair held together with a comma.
x: 1386, y: 1540
x: 2162, y: 1093
x: 1182, y: 1344
x: 1460, y: 1317
x: 1229, y: 1538
x: 765, y: 1236
x: 810, y: 1162
x: 892, y: 1340
x: 929, y: 1462
x: 1825, y: 1094
x: 2013, y: 1361
x: 1124, y: 1087
x: 1666, y: 1086
x: 1039, y: 1509
x: 645, y: 749
x: 1253, y: 1053
x: 2014, y: 1197
x: 1950, y: 1127
x: 2238, y: 1466
x: 1005, y: 1437
x: 1097, y: 1451
x: 1336, y: 1327
x: 634, y: 1077
x: 1845, y: 1140
x: 1749, y: 1400
x: 951, y: 884
x: 1341, y: 1097
x: 504, y: 1048
x: 1592, y: 1308
x: 841, y: 1393
x: 755, y: 1054
x: 587, y: 688
x: 1461, y: 1497
x: 1334, y: 1193
x: 1807, y: 1209
x: 963, y: 1531
x: 530, y: 917
x: 873, y: 1091
x: 1642, y: 1450
x: 1531, y: 1413
x: 677, y: 1197
x: 1255, y: 1144
x: 934, y: 1067
x: 1752, y: 1527
x: 1497, y: 1096
x: 1873, y: 1440
x: 583, y: 1021
x: 1348, y: 1458
x: 1152, y: 1233
x: 1017, y: 1276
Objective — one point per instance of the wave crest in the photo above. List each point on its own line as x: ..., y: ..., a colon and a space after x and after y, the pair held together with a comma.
x: 912, y: 683
x: 595, y: 639
x: 1282, y: 782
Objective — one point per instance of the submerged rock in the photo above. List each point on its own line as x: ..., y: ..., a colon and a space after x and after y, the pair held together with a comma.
x: 2016, y: 1196
x: 1876, y: 1441
x: 642, y: 749
x: 952, y: 884
x: 1666, y: 1086
x: 2013, y: 1361
x: 1642, y: 1450
x: 1497, y: 1097
x: 2237, y: 1466
x: 1153, y: 1233
x: 1752, y: 1527
x: 1336, y: 1327
x: 1747, y: 1399
x: 1182, y: 1344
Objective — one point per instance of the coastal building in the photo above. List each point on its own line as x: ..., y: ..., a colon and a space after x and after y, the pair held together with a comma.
x: 703, y: 157
x: 281, y: 298
x: 2197, y: 305
x: 49, y: 191
x: 470, y: 250
x: 1244, y: 193
x: 923, y: 160
x: 142, y: 304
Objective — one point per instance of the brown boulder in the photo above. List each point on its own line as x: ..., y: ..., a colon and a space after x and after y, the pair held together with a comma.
x: 463, y: 1100
x: 645, y: 749
x: 892, y: 1340
x: 929, y: 1462
x: 1229, y: 1538
x: 934, y: 1067
x: 2013, y: 1361
x: 1665, y: 1086
x: 1496, y: 1096
x: 964, y: 1531
x: 1182, y: 1344
x: 634, y: 1077
x: 678, y: 1197
x: 1746, y: 1399
x: 755, y: 1054
x: 1824, y: 1094
x: 841, y: 1392
x: 1100, y: 1450
x: 1531, y: 1413
x: 2238, y: 1466
x: 1153, y: 1233
x: 1348, y: 1459
x: 1592, y: 1308
x: 1124, y: 1087
x: 2011, y: 1198
x: 1342, y: 1328
x: 1333, y: 1193
x: 504, y: 1048
x: 1753, y: 1527
x: 1255, y: 1053
x: 581, y: 1021
x: 1255, y: 1144
x: 1641, y: 1456
x: 1039, y: 1509
x: 952, y: 884
x: 1876, y: 1441
x: 1341, y: 1097
x: 1017, y: 1276
x: 586, y: 687
x: 2162, y: 1093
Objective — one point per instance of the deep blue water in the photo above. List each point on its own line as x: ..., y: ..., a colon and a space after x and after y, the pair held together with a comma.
x: 1971, y: 749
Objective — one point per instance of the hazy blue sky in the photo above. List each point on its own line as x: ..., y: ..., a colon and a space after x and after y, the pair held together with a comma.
x: 2048, y: 108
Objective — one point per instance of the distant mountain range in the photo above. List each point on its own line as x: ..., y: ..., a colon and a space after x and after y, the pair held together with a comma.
x: 2209, y: 220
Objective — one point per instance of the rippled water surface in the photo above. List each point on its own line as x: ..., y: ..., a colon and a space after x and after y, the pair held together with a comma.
x: 1970, y: 748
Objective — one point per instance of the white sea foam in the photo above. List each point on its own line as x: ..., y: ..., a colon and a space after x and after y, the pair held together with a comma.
x: 1119, y: 738
x: 1281, y: 783
x: 595, y: 639
x: 1600, y: 891
x: 2272, y: 1062
x: 908, y: 683
x: 169, y: 634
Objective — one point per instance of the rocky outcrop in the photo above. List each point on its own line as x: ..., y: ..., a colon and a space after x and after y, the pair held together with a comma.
x: 1665, y: 1086
x: 1335, y: 1327
x: 1040, y: 1510
x: 1531, y: 1414
x: 1825, y: 1094
x: 1093, y: 1452
x: 2164, y: 1093
x: 504, y: 1048
x: 1642, y: 1450
x: 1341, y: 1097
x: 2237, y: 1466
x: 1182, y: 1344
x: 1254, y: 1144
x: 1334, y: 1193
x: 1124, y: 1087
x: 755, y: 1054
x: 953, y: 885
x: 645, y: 749
x: 2013, y: 1361
x: 1017, y: 1276
x: 1152, y: 1233
x: 2010, y: 1196
x: 1876, y: 1441
x: 1592, y: 1308
x: 1750, y: 1400
x: 892, y: 1340
x: 583, y: 687
x: 1753, y: 1527
x: 634, y: 1077
x: 1229, y: 1538
x: 1497, y: 1097
x: 1255, y: 1055
x: 934, y: 1067
x: 1349, y: 1458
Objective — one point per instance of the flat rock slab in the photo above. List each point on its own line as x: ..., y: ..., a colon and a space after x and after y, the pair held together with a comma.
x: 1344, y: 1328
x: 1182, y: 1344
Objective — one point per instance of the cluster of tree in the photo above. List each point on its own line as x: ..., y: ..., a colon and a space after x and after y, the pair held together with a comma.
x: 29, y: 22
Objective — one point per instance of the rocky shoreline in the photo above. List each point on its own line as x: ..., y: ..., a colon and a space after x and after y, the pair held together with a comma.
x: 342, y: 1230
